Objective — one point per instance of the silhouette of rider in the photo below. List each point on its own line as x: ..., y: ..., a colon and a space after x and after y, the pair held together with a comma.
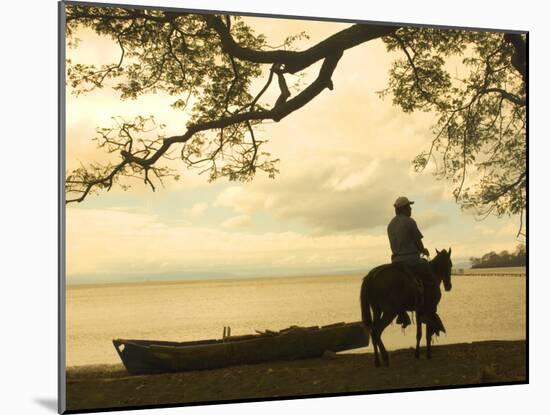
x: 407, y: 247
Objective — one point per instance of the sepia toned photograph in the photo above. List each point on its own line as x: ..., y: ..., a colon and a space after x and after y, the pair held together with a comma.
x: 276, y: 207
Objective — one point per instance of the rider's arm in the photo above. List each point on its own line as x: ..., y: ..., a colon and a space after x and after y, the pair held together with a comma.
x: 417, y: 237
x: 421, y: 248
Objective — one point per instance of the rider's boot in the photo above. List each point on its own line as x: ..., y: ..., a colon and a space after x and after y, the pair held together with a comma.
x: 403, y: 319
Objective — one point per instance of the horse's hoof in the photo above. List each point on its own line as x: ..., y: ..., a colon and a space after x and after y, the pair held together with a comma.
x: 417, y: 355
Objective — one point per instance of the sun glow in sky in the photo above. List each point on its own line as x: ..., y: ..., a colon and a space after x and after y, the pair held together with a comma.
x: 345, y: 157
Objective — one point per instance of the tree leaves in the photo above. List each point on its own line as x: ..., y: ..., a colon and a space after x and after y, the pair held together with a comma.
x: 479, y: 138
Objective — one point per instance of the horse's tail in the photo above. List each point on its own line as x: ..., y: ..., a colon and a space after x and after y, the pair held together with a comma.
x: 366, y: 315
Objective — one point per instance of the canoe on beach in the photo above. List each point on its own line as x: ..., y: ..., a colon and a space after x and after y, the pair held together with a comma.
x: 151, y: 356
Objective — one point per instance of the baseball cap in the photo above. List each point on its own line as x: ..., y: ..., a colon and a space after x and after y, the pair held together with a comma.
x: 402, y: 201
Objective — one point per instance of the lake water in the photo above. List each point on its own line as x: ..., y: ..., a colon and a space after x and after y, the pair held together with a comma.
x: 477, y: 308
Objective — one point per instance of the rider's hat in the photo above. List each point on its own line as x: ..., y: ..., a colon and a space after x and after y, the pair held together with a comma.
x: 402, y: 201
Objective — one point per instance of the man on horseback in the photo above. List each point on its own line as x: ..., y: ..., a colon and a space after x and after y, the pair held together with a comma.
x: 407, y: 247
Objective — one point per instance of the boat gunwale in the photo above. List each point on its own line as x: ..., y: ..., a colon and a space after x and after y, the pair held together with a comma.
x: 150, y: 344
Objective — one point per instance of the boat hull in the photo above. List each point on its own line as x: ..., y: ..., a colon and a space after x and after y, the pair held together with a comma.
x: 149, y: 356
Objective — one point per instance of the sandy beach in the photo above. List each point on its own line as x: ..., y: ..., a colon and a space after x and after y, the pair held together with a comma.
x: 487, y: 362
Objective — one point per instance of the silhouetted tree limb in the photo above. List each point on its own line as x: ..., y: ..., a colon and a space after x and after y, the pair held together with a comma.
x: 294, y: 61
x: 240, y: 110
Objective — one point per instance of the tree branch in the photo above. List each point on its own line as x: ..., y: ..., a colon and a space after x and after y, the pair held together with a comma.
x: 322, y: 81
x: 505, y: 189
x: 519, y: 58
x: 506, y: 95
x: 294, y: 61
x: 417, y: 81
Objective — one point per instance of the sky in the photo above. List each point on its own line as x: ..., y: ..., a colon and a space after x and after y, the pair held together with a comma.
x: 345, y: 157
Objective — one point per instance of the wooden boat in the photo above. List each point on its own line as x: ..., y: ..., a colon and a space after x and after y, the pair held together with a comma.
x: 150, y: 356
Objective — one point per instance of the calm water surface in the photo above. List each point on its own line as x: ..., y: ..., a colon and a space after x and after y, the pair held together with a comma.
x: 477, y: 308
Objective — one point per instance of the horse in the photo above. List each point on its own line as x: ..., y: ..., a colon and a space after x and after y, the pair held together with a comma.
x: 389, y: 290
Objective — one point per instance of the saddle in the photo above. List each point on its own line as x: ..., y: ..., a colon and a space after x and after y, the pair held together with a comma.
x: 403, y: 318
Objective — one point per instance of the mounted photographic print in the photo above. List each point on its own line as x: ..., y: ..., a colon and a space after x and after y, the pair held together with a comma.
x: 277, y: 207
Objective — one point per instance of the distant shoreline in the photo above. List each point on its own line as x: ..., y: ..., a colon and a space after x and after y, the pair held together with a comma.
x: 230, y: 278
x: 512, y: 271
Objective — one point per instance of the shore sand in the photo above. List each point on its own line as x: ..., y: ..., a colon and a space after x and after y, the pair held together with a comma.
x: 488, y: 362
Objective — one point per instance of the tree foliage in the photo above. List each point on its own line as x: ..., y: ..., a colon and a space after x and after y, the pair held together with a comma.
x: 208, y: 64
x: 480, y: 132
x: 502, y: 259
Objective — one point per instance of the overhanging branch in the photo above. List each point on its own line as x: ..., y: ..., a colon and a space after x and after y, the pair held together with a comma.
x: 277, y: 113
x: 294, y: 61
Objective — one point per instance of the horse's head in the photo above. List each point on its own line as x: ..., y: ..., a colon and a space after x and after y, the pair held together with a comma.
x: 443, y: 265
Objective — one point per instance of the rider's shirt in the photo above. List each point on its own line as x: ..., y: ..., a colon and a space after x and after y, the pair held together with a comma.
x: 403, y: 234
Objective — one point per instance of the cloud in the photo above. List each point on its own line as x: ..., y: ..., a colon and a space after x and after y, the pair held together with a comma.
x: 196, y: 211
x: 429, y: 218
x: 341, y: 196
x: 241, y: 221
x: 511, y: 228
x: 101, y: 241
x: 111, y: 242
x: 241, y: 200
x: 355, y: 179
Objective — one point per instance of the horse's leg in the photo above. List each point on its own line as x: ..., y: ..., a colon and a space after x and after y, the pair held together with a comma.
x: 375, y: 333
x: 429, y: 334
x: 387, y: 318
x: 418, y: 337
x: 430, y: 330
